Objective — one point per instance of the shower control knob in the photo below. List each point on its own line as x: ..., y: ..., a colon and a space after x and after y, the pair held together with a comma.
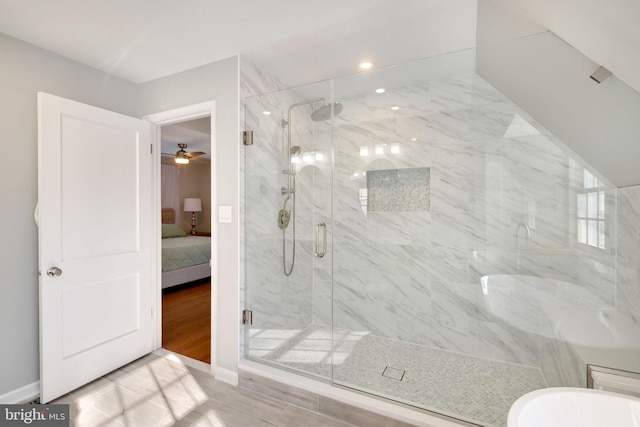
x: 283, y: 218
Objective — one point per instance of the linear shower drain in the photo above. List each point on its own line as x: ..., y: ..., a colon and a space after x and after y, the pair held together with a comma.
x: 394, y: 373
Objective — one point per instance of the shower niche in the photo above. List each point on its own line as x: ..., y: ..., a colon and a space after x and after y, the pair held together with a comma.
x: 398, y: 190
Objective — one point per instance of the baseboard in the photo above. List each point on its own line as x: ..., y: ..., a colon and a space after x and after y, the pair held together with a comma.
x: 188, y: 361
x: 23, y: 394
x: 225, y: 375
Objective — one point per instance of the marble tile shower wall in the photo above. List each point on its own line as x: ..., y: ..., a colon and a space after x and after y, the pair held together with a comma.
x: 281, y: 302
x: 564, y: 364
x: 629, y: 252
x: 414, y: 276
x: 252, y: 81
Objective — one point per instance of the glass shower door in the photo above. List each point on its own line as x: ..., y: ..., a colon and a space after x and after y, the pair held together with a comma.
x: 287, y: 223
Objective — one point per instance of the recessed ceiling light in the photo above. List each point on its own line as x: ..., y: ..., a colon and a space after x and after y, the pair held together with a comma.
x: 266, y: 113
x: 366, y: 65
x: 395, y: 107
x: 381, y: 90
x: 414, y: 139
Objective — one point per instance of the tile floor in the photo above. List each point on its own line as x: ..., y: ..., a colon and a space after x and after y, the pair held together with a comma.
x: 470, y: 388
x: 161, y: 391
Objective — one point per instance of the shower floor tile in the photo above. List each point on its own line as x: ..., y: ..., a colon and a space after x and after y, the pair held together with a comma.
x: 462, y: 386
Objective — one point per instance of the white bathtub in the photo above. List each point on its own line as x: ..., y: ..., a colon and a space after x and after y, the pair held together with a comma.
x: 596, y: 330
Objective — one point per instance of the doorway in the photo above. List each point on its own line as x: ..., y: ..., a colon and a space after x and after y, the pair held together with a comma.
x: 186, y: 237
x: 186, y: 299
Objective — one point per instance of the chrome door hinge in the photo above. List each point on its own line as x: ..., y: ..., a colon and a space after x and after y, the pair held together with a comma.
x: 247, y: 317
x: 247, y: 137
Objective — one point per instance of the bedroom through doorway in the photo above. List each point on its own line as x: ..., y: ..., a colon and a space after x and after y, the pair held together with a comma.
x: 186, y: 238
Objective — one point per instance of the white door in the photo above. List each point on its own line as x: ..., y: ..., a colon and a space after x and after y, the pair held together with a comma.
x: 95, y: 236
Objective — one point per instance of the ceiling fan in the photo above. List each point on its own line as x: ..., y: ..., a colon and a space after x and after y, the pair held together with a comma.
x: 183, y: 157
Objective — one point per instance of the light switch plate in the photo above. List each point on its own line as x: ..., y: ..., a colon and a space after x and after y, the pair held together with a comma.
x: 224, y: 214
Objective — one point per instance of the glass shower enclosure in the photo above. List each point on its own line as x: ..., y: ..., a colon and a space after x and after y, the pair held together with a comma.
x: 288, y: 220
x: 412, y: 233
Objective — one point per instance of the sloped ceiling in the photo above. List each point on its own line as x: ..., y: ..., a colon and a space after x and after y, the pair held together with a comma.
x: 607, y: 32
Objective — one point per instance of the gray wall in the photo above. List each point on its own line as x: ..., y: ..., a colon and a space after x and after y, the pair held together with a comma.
x: 217, y: 81
x: 26, y: 70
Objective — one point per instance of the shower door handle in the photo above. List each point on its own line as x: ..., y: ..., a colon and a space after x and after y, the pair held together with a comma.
x: 321, y: 250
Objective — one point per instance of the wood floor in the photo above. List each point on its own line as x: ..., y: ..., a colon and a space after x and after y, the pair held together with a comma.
x: 186, y: 320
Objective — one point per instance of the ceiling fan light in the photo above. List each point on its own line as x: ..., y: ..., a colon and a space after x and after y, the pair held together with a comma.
x: 182, y: 160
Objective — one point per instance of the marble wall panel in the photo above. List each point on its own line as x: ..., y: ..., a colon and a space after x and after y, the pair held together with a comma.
x: 252, y: 81
x: 278, y: 301
x: 492, y: 168
x: 629, y: 252
x: 560, y: 363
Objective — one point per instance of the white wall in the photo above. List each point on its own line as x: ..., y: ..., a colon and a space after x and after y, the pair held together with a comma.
x: 604, y: 31
x: 26, y: 70
x: 497, y: 21
x: 550, y: 79
x: 219, y: 82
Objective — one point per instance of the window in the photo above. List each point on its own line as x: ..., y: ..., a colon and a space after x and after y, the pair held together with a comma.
x: 590, y: 210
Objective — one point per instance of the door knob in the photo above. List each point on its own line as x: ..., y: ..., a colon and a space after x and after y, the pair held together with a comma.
x: 54, y: 272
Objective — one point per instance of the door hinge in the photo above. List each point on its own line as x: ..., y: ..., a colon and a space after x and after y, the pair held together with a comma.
x: 151, y: 148
x: 247, y: 137
x: 247, y: 317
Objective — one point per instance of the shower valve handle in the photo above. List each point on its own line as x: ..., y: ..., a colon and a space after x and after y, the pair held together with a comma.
x: 283, y: 218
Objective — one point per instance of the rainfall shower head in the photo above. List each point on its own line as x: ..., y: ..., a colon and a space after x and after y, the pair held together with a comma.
x: 324, y: 113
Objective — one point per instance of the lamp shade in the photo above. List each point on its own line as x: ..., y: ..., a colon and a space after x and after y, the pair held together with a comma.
x: 192, y: 205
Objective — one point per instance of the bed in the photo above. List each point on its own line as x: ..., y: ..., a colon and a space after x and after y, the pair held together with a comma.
x: 185, y: 258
